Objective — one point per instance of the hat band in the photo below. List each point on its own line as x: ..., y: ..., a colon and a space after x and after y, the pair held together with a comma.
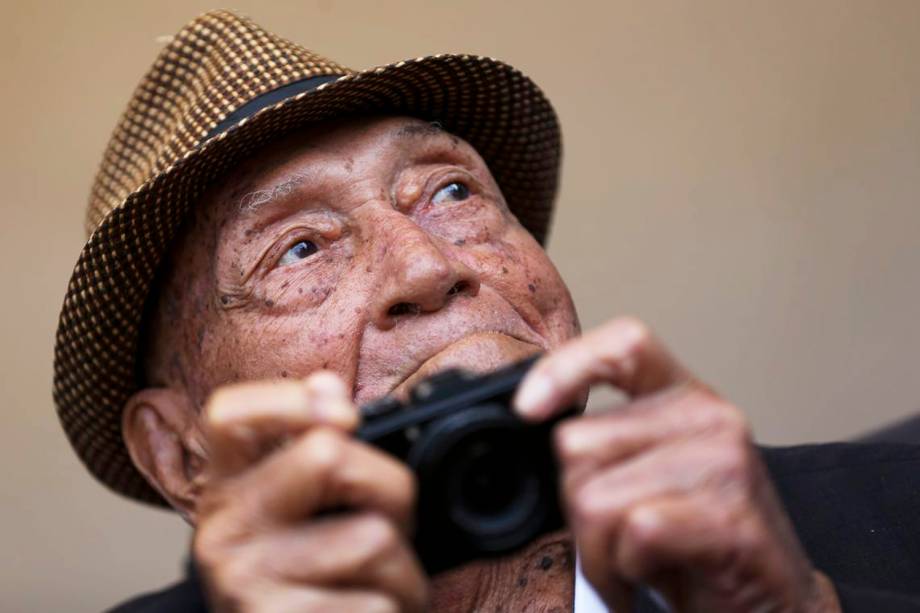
x: 268, y: 99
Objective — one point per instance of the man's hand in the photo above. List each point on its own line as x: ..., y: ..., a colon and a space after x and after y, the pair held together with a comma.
x: 281, y: 460
x: 668, y: 491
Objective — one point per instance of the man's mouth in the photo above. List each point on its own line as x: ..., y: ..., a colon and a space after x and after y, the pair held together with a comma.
x: 478, y: 352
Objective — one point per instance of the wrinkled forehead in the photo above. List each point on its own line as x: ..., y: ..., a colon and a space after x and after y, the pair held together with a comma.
x: 277, y: 167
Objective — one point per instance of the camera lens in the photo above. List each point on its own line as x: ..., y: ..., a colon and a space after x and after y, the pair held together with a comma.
x: 490, y: 489
x: 483, y: 479
x: 487, y: 481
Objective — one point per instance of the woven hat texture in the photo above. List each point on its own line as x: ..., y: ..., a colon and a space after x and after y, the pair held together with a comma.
x: 162, y: 156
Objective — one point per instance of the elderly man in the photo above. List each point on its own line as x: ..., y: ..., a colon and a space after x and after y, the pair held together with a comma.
x: 276, y: 240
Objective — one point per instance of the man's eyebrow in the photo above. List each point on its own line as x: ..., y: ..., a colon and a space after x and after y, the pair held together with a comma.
x: 411, y: 130
x: 252, y: 201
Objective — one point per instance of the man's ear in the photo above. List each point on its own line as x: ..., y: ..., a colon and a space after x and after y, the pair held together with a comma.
x: 160, y: 429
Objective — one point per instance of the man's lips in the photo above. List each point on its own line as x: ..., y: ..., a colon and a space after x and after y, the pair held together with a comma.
x: 477, y: 352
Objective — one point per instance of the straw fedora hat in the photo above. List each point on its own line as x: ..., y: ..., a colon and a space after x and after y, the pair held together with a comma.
x: 219, y: 90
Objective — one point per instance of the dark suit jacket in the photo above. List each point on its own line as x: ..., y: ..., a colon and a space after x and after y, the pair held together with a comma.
x: 855, y: 506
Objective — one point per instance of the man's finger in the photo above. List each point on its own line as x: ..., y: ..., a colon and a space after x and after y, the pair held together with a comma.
x: 245, y: 421
x: 660, y: 540
x: 672, y: 531
x: 324, y: 469
x: 604, y: 495
x: 285, y: 598
x: 599, y: 502
x: 364, y: 551
x: 622, y: 353
x: 591, y: 442
x: 594, y: 543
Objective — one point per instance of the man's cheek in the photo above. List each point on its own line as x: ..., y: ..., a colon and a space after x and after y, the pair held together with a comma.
x: 555, y: 303
x: 517, y: 267
x: 529, y: 272
x: 290, y: 344
x: 476, y: 222
x: 545, y: 287
x: 227, y: 354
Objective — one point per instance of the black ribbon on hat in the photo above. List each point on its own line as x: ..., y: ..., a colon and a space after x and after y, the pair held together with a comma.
x: 268, y: 99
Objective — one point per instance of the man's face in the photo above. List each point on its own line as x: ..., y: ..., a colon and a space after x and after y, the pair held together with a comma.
x: 380, y: 249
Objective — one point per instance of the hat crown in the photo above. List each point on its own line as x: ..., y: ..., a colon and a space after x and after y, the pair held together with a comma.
x: 211, y: 67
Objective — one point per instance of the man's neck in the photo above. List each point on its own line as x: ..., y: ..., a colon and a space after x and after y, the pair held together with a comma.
x: 539, y: 577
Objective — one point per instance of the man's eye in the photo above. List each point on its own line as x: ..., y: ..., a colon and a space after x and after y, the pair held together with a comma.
x: 300, y: 251
x: 455, y: 191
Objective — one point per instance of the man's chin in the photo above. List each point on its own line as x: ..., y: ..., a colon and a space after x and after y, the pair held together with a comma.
x: 479, y: 352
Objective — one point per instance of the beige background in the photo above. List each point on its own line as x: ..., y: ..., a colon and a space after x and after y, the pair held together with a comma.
x: 743, y: 175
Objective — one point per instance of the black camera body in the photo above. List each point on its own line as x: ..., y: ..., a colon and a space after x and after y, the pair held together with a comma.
x: 487, y: 479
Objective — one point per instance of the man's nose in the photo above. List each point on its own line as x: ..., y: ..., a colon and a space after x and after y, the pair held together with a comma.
x: 418, y: 276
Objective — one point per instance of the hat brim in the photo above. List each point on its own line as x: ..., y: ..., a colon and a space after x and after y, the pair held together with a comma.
x: 491, y: 105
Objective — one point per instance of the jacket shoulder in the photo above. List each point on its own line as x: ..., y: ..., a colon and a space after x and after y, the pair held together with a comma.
x: 854, y: 508
x: 182, y: 597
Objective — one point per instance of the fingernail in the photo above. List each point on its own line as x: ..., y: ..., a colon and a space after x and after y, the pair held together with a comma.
x: 220, y: 415
x: 339, y: 412
x: 573, y: 440
x: 533, y: 395
x: 325, y: 383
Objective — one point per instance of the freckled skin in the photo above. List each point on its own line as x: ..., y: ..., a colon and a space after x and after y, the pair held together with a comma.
x: 362, y: 193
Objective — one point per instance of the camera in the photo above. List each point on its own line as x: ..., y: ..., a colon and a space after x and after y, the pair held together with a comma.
x: 487, y: 480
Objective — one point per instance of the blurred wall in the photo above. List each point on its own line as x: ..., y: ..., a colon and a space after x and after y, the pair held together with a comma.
x: 743, y: 175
